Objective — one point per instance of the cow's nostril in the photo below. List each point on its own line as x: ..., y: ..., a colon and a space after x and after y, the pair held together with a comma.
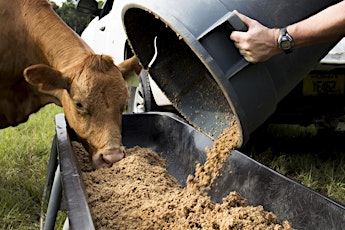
x: 105, y: 160
x: 110, y: 157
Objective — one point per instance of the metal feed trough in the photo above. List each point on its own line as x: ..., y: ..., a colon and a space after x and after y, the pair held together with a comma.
x: 182, y: 146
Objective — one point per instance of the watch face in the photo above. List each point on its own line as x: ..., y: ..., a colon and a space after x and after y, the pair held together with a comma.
x: 285, y: 44
x: 285, y: 41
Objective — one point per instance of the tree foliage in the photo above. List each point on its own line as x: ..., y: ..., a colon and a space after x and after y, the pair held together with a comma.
x: 73, y: 18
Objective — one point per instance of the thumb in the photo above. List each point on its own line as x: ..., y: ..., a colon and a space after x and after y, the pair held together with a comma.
x: 246, y: 20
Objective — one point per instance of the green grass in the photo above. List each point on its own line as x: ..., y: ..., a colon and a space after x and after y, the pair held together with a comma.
x: 24, y: 154
x: 326, y: 177
x: 315, y: 159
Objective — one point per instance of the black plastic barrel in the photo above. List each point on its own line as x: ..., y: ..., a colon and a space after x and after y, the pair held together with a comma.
x: 195, y: 62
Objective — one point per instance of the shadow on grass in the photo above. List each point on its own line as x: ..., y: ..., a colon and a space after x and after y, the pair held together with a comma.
x: 315, y: 158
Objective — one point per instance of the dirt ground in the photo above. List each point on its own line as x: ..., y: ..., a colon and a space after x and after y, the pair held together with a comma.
x: 139, y: 193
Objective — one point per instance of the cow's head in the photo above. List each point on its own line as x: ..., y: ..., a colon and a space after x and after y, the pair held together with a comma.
x: 93, y: 94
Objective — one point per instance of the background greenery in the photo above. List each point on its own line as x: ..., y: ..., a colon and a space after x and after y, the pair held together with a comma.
x: 73, y: 18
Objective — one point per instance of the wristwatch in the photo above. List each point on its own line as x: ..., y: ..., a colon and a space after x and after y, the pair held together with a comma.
x: 285, y: 41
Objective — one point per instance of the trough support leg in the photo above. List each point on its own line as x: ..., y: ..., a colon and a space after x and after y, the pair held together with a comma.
x: 52, y: 164
x: 54, y: 201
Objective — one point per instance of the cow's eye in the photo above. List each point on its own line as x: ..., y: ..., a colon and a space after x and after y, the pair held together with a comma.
x: 81, y: 108
x: 79, y: 105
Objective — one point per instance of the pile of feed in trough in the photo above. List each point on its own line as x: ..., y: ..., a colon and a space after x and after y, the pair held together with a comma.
x: 139, y: 193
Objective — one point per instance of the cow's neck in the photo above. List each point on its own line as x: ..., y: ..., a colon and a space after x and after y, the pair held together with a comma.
x: 18, y: 102
x: 59, y: 44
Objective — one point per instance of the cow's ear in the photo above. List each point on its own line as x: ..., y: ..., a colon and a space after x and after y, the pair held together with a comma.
x: 129, y: 67
x: 45, y: 78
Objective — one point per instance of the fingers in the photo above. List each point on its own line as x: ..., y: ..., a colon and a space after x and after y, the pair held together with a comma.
x: 247, y: 52
x: 248, y: 55
x: 240, y: 39
x: 251, y: 44
x: 241, y: 45
x: 238, y: 36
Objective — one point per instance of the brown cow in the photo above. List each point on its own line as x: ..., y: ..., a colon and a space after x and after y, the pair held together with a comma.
x: 43, y: 61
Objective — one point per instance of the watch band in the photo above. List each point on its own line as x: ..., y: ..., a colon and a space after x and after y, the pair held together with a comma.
x: 285, y: 41
x: 282, y: 31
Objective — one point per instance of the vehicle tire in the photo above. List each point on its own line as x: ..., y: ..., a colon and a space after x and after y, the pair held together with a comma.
x: 141, y: 98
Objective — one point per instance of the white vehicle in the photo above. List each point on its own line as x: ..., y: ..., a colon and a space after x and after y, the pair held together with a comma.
x: 106, y: 35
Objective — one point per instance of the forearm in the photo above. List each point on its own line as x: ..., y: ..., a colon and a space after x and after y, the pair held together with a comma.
x: 327, y: 25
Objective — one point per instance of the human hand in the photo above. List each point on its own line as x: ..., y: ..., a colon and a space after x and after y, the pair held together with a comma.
x: 259, y: 43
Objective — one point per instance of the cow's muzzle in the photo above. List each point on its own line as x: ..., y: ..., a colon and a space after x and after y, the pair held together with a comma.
x: 106, y: 158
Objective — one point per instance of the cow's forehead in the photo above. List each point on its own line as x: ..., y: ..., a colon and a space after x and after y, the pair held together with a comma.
x: 95, y: 86
x: 90, y: 79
